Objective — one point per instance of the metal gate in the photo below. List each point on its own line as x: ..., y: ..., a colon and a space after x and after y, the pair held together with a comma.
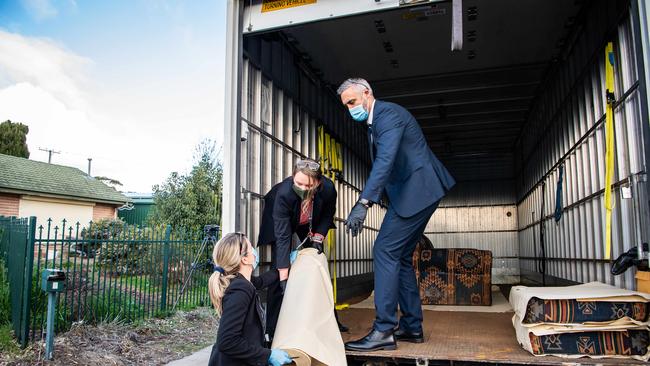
x: 16, y: 248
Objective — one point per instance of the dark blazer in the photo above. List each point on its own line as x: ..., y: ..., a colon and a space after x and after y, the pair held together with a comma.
x: 281, y: 216
x: 240, y: 338
x: 403, y: 165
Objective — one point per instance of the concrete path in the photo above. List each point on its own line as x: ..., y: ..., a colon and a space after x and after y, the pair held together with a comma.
x: 197, y: 358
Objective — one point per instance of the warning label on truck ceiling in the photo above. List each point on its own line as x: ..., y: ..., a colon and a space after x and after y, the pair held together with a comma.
x: 273, y: 5
x: 423, y: 12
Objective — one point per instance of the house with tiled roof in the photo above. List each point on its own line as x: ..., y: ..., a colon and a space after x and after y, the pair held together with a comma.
x: 34, y: 188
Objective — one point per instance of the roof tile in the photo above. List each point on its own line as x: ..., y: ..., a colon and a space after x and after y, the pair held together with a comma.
x: 26, y: 175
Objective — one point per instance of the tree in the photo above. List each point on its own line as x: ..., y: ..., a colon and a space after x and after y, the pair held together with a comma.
x: 109, y: 181
x: 13, y: 139
x: 194, y: 200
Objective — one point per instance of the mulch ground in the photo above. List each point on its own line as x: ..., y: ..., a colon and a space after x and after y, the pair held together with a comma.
x: 153, y: 342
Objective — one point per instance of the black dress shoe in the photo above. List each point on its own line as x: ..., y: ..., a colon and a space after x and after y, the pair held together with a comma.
x: 343, y: 328
x: 374, y: 341
x: 404, y: 336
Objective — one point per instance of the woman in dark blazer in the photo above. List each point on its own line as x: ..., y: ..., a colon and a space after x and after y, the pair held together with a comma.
x: 233, y: 291
x: 303, y: 204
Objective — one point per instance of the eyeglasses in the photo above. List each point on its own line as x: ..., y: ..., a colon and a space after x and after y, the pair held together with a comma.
x: 308, y: 164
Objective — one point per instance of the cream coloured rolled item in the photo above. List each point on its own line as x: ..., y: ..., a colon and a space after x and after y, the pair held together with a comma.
x: 307, y: 321
x: 592, y: 291
x: 589, y: 292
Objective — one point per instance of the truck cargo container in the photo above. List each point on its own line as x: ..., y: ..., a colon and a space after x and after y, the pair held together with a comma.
x: 520, y: 101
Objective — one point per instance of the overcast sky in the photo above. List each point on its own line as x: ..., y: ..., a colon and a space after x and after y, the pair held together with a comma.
x: 133, y: 84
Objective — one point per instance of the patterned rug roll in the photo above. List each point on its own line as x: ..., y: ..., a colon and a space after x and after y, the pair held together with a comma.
x: 590, y: 320
x: 574, y: 311
x: 605, y: 343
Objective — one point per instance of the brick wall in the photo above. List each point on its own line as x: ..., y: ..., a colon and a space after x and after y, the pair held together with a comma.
x: 102, y: 211
x: 9, y: 204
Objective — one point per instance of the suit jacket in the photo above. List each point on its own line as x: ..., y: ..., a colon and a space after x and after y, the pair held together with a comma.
x: 281, y: 216
x: 240, y: 338
x: 404, y: 165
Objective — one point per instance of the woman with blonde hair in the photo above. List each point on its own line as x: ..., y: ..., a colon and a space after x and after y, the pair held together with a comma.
x: 233, y: 291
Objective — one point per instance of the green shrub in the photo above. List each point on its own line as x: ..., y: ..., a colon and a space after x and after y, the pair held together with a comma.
x: 130, y: 253
x: 97, y: 233
x: 38, y: 299
x: 112, y: 306
x: 8, y: 344
x: 5, y: 302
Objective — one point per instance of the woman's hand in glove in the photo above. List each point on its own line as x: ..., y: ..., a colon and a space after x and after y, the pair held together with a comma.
x: 279, y: 357
x: 317, y: 242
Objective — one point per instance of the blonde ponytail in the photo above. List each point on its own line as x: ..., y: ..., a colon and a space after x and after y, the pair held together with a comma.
x: 217, y: 286
x: 227, y: 254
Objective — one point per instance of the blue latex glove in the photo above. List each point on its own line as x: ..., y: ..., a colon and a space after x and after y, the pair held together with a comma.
x: 292, y: 256
x: 279, y: 357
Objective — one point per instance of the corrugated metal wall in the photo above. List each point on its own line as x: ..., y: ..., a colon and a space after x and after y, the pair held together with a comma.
x: 480, y: 215
x: 282, y: 107
x: 566, y: 127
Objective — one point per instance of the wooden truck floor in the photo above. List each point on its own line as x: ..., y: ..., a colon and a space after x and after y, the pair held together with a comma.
x: 458, y: 338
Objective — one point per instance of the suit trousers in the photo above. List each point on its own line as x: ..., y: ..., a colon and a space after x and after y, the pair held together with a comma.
x: 395, y: 280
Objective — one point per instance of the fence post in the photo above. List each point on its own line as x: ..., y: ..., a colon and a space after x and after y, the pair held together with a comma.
x: 165, y: 273
x: 27, y: 284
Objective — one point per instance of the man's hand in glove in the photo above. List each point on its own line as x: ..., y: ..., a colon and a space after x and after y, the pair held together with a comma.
x: 357, y: 216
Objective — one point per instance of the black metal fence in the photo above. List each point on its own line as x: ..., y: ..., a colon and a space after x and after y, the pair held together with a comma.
x: 113, y: 270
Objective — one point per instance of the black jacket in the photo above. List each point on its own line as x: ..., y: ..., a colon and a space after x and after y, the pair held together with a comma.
x: 281, y: 216
x: 240, y: 338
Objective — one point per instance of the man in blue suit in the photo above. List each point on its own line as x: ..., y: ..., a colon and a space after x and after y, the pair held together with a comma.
x: 414, y: 181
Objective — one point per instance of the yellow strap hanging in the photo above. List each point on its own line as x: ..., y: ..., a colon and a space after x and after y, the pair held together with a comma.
x: 331, y: 241
x: 321, y: 146
x: 329, y: 160
x: 339, y: 158
x: 609, y: 145
x: 331, y: 245
x: 334, y: 159
x: 339, y: 168
x: 328, y: 155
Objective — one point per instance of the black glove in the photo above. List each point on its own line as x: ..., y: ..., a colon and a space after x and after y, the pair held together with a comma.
x: 356, y: 218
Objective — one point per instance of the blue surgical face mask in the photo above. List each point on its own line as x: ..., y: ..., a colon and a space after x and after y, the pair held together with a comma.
x: 257, y: 258
x: 359, y: 113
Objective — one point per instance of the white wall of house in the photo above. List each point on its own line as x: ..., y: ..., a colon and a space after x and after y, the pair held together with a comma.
x: 57, y: 209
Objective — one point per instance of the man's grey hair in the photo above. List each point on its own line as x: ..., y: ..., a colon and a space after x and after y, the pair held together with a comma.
x: 359, y: 83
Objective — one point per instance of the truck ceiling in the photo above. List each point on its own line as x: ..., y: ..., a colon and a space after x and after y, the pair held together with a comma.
x: 471, y: 104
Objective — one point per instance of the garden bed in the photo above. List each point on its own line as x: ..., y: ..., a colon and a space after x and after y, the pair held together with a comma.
x: 151, y: 342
